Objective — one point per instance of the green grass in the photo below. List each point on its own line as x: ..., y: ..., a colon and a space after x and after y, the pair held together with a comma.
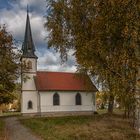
x: 116, y: 111
x: 102, y: 111
x: 8, y: 114
x: 2, y: 127
x: 97, y: 127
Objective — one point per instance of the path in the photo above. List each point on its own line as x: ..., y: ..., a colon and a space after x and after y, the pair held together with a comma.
x: 16, y: 131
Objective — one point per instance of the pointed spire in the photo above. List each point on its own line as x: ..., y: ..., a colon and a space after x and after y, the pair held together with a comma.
x: 28, y: 47
x: 27, y: 9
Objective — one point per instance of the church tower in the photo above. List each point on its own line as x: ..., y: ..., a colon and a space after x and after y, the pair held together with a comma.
x: 29, y: 94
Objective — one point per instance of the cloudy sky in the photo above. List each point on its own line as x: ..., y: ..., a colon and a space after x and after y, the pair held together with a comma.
x: 13, y: 15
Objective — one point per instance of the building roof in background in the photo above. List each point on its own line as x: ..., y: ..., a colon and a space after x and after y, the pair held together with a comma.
x: 62, y: 81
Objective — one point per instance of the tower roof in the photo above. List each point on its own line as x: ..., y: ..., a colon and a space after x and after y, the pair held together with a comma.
x: 28, y: 47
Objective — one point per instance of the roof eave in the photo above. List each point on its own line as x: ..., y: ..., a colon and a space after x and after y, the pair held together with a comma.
x: 44, y: 90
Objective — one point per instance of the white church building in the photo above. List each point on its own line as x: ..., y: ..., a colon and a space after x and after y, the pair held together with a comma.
x: 50, y: 93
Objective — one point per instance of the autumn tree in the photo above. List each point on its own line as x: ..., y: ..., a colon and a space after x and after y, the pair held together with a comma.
x: 9, y: 66
x: 104, y: 35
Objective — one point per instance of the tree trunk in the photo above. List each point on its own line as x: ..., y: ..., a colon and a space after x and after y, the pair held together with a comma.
x: 137, y: 111
x: 125, y: 112
x: 0, y: 112
x: 111, y: 104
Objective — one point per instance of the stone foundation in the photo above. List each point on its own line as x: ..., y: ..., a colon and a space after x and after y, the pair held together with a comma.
x: 30, y: 114
x: 59, y: 114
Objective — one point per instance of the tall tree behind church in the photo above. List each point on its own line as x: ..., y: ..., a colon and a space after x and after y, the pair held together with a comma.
x: 9, y: 66
x: 104, y: 36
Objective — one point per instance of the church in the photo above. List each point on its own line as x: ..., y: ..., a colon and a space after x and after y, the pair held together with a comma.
x: 52, y: 93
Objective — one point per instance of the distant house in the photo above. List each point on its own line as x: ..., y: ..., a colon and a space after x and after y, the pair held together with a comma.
x: 46, y: 92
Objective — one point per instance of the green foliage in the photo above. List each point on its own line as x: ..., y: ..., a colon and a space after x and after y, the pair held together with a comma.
x: 9, y: 66
x: 105, y: 36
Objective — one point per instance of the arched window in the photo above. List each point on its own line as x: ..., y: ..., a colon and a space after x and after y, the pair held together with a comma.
x: 29, y: 64
x: 78, y: 99
x: 30, y: 105
x: 56, y: 100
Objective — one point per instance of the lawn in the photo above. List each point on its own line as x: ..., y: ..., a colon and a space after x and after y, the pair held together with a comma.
x: 8, y: 114
x: 2, y: 129
x: 97, y: 127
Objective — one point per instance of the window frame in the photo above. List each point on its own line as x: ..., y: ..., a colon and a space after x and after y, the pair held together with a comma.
x: 78, y: 99
x: 30, y: 104
x: 56, y: 99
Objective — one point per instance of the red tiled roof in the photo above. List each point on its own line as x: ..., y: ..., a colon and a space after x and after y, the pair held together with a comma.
x: 62, y: 81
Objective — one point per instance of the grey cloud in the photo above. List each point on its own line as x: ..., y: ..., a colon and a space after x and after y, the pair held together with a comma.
x: 51, y: 61
x: 38, y: 6
x: 16, y: 22
x: 71, y: 60
x: 15, y: 19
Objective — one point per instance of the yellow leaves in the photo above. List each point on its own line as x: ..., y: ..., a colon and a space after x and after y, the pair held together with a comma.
x: 104, y: 33
x: 5, y: 38
x: 125, y: 31
x: 9, y: 65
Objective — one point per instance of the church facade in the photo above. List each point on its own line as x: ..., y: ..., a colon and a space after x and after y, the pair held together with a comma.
x: 45, y: 93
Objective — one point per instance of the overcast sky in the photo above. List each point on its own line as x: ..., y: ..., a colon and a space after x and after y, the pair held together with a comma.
x: 13, y: 15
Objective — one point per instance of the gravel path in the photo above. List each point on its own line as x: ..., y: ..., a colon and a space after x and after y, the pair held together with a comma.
x: 16, y: 131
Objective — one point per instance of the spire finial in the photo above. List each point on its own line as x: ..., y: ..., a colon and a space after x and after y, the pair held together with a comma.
x: 27, y: 9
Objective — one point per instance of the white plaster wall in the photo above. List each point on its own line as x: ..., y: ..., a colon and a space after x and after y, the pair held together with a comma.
x: 28, y: 75
x: 29, y: 92
x: 29, y: 83
x: 34, y: 64
x: 67, y: 102
x: 29, y: 96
